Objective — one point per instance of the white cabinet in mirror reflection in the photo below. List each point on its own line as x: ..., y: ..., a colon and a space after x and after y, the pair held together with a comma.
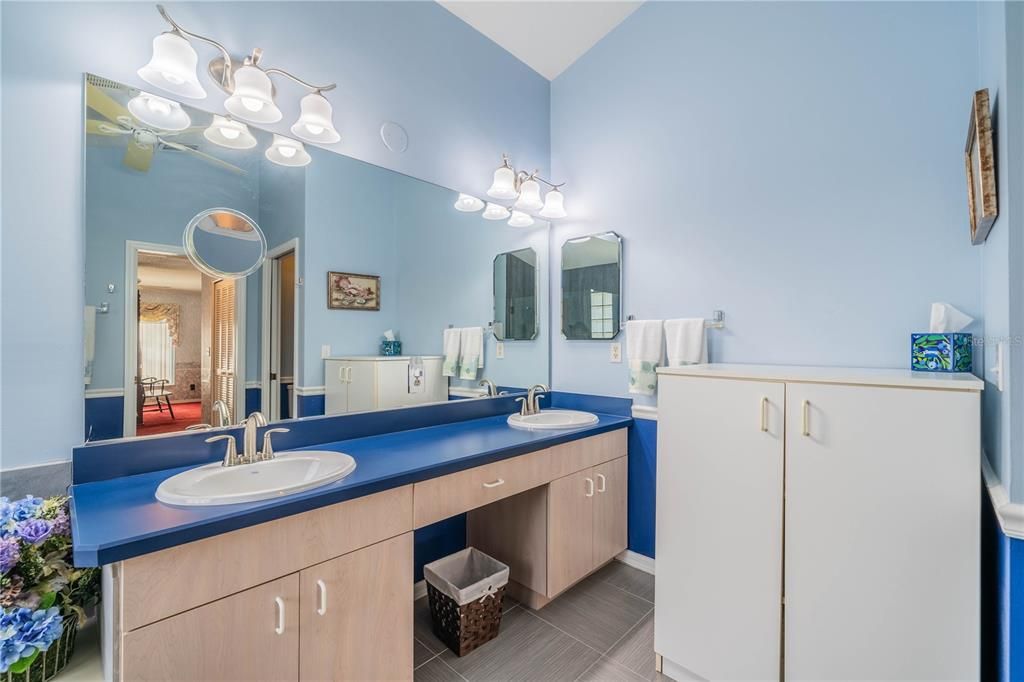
x: 361, y: 383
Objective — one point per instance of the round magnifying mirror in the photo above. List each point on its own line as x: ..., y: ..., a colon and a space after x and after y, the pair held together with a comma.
x: 223, y: 242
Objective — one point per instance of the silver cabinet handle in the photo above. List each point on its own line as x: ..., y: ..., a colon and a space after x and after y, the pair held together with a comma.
x: 764, y: 414
x: 495, y: 484
x: 601, y: 481
x: 806, y: 407
x: 341, y: 374
x: 590, y: 487
x: 280, y: 615
x: 321, y: 590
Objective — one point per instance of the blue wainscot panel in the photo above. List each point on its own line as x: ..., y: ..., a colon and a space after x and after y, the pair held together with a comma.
x: 253, y: 398
x: 104, y: 418
x: 310, y: 405
x: 643, y: 462
x: 1002, y: 606
x: 437, y: 540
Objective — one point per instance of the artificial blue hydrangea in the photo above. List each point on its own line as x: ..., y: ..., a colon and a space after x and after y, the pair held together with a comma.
x: 27, y: 508
x: 10, y: 553
x: 34, y: 531
x: 7, y: 522
x: 24, y: 631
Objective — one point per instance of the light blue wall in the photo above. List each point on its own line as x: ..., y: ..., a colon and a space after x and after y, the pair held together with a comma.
x: 796, y: 165
x: 462, y: 99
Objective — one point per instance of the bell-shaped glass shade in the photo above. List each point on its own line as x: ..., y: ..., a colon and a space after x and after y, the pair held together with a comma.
x: 287, y: 152
x: 158, y: 113
x: 228, y: 133
x: 553, y: 207
x: 520, y: 219
x: 529, y: 196
x: 253, y: 98
x: 315, y: 124
x: 173, y: 67
x: 495, y: 212
x: 504, y: 185
x: 468, y: 203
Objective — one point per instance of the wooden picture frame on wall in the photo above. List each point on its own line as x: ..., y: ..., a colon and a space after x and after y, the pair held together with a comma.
x: 349, y: 291
x: 980, y: 163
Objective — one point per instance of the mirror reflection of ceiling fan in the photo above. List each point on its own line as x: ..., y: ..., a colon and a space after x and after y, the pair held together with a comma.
x: 143, y: 140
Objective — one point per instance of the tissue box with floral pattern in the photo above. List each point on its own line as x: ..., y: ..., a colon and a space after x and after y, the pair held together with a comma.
x: 941, y: 352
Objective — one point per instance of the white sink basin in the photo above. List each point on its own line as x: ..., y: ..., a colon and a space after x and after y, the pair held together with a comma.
x: 552, y: 419
x: 287, y: 473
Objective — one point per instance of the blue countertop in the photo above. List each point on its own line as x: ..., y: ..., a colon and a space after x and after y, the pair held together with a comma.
x: 121, y: 518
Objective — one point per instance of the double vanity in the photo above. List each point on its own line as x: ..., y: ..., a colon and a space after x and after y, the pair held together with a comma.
x: 318, y: 584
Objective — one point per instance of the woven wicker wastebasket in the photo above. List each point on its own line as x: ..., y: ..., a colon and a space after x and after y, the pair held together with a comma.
x: 466, y: 591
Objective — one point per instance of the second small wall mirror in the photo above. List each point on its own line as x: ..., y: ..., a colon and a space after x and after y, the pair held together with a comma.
x: 225, y: 243
x: 515, y: 295
x: 592, y: 286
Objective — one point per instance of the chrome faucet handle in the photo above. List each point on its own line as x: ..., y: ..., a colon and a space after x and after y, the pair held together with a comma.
x: 536, y: 402
x: 268, y: 449
x: 231, y: 454
x: 524, y: 407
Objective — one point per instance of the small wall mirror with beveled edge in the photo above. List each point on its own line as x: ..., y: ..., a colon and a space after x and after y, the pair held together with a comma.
x: 515, y: 295
x: 592, y: 287
x: 223, y: 242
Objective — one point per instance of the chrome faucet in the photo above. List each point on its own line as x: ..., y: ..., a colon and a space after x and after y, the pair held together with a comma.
x: 252, y: 423
x: 220, y: 413
x: 492, y: 389
x: 534, y: 395
x: 250, y: 455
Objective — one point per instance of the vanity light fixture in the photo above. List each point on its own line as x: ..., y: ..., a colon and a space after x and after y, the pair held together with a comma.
x: 520, y: 219
x: 468, y: 204
x: 524, y: 190
x: 159, y: 113
x: 495, y: 212
x: 229, y: 133
x: 287, y: 152
x: 248, y: 85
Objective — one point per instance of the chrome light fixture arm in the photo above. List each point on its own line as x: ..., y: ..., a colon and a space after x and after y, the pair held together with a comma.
x: 314, y: 88
x: 522, y: 176
x: 225, y: 78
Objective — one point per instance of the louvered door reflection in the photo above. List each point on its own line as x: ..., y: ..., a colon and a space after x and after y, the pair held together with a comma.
x: 224, y: 344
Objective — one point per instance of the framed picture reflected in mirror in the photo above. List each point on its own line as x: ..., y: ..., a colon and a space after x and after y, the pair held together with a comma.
x: 979, y: 162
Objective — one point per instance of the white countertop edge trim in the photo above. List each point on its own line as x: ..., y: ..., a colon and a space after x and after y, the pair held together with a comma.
x: 903, y: 378
x: 645, y: 412
x: 1010, y: 514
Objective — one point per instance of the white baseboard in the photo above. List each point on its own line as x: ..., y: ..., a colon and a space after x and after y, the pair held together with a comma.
x: 309, y: 390
x: 419, y: 590
x: 104, y: 393
x: 645, y: 412
x: 256, y: 383
x: 637, y: 560
x: 1010, y: 514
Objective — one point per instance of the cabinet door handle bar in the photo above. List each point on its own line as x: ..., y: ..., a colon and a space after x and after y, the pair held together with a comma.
x: 764, y: 414
x: 601, y: 483
x: 280, y: 615
x: 321, y: 589
x: 590, y: 487
x: 495, y: 484
x: 806, y: 407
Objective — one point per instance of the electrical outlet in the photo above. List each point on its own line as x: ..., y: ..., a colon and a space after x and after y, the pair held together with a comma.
x: 325, y: 352
x: 615, y: 352
x: 499, y: 350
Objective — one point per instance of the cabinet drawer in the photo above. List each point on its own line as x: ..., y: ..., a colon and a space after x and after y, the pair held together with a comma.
x: 456, y: 493
x: 577, y: 455
x: 253, y: 635
x: 161, y: 584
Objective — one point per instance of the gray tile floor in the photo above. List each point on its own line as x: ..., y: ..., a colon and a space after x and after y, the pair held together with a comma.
x: 601, y: 629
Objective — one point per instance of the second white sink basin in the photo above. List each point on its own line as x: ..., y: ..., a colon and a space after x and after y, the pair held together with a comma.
x: 287, y: 473
x: 552, y: 419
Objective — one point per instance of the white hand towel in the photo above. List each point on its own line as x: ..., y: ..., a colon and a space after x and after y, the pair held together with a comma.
x: 472, y: 354
x: 686, y: 342
x: 643, y: 350
x: 90, y: 341
x: 451, y: 344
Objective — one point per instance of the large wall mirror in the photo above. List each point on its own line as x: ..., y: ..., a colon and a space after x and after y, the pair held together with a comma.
x: 292, y: 323
x: 592, y: 287
x: 516, y: 310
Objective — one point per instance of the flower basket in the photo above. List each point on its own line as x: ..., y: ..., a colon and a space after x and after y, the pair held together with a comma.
x: 50, y: 662
x: 42, y: 594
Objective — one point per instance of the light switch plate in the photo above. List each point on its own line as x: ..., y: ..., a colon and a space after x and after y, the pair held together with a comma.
x: 997, y: 373
x: 499, y: 350
x: 325, y: 352
x: 615, y: 352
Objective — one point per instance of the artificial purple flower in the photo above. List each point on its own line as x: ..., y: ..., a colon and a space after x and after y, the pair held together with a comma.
x: 10, y: 553
x: 61, y: 523
x: 34, y: 531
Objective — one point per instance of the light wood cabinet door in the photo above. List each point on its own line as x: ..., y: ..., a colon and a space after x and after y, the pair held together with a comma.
x: 882, y: 519
x: 356, y: 615
x: 252, y: 635
x: 570, y: 529
x: 610, y: 512
x: 719, y: 526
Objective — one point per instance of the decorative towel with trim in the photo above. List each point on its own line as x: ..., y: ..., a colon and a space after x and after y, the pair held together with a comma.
x: 471, y: 356
x: 686, y: 342
x: 451, y: 344
x: 643, y: 350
